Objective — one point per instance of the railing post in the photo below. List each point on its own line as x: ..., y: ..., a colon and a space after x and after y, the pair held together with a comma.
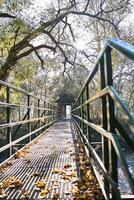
x: 29, y: 116
x: 44, y: 112
x: 105, y: 149
x: 88, y: 114
x: 48, y: 113
x: 39, y: 114
x: 82, y: 111
x: 9, y: 134
x: 79, y: 112
x: 110, y: 118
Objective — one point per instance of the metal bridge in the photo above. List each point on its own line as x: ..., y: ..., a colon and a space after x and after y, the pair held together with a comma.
x: 54, y: 158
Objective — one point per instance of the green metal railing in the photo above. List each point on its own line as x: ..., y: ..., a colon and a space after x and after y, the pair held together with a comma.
x: 46, y: 115
x: 111, y: 129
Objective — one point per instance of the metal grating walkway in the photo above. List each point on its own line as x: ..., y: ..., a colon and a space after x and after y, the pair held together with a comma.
x: 53, y: 150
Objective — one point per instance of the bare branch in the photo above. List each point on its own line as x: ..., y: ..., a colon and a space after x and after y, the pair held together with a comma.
x: 35, y: 49
x: 86, y: 7
x: 70, y: 28
x: 2, y: 15
x: 38, y: 56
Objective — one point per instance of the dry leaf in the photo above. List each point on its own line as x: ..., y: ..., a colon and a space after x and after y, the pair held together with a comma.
x: 20, y: 154
x: 27, y: 160
x: 56, y: 196
x: 25, y: 194
x: 71, y: 174
x: 11, y: 182
x: 75, y: 190
x: 40, y: 184
x: 58, y: 171
x: 16, y: 183
x: 43, y: 193
x: 89, y: 175
x: 67, y: 192
x: 67, y: 165
x: 66, y: 178
x: 2, y: 193
x: 35, y: 174
x: 5, y: 184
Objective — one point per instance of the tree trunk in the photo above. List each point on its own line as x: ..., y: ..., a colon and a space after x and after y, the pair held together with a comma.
x: 6, y: 68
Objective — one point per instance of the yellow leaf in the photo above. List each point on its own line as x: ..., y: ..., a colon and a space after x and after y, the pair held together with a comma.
x: 44, y: 193
x: 40, y: 184
x: 5, y: 184
x: 25, y: 194
x: 35, y: 174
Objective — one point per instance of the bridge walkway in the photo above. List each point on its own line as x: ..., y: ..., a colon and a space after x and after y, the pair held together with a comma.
x: 48, y: 168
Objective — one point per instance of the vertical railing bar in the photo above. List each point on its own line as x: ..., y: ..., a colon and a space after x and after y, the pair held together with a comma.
x: 105, y: 149
x: 82, y: 110
x: 29, y: 116
x: 9, y: 134
x: 88, y: 114
x: 39, y: 115
x: 111, y: 117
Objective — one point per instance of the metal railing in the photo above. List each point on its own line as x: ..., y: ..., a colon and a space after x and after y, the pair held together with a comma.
x: 111, y: 129
x: 46, y: 115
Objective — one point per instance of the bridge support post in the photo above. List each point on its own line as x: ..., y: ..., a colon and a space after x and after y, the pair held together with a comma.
x: 39, y: 115
x: 111, y: 119
x: 9, y: 134
x: 88, y: 114
x: 105, y: 149
x: 29, y: 116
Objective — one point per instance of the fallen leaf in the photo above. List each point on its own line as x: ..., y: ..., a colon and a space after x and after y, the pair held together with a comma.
x: 16, y: 183
x: 67, y: 165
x: 2, y: 193
x: 11, y: 182
x: 5, y: 184
x: 40, y: 184
x: 75, y: 190
x: 67, y: 193
x: 89, y: 175
x: 71, y: 174
x: 43, y: 193
x: 58, y: 171
x: 56, y: 196
x: 25, y: 194
x: 27, y: 160
x: 35, y: 174
x: 20, y: 154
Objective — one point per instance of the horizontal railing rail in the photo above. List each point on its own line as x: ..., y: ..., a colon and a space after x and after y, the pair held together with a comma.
x: 24, y: 137
x: 2, y: 83
x: 31, y: 115
x: 111, y: 129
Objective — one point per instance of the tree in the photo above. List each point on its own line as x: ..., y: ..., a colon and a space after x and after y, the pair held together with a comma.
x: 58, y: 32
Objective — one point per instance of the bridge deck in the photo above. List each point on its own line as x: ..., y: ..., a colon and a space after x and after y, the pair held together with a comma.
x: 50, y: 158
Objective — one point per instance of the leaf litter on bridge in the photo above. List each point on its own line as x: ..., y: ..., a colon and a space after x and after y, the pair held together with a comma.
x: 82, y: 188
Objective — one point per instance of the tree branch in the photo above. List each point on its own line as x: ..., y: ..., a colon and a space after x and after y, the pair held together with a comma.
x: 35, y: 49
x: 6, y: 15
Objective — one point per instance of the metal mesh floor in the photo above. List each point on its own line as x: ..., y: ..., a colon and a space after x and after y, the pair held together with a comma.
x: 53, y: 150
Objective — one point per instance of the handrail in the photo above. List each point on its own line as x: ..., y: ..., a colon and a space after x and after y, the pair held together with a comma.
x: 3, y: 104
x: 45, y: 115
x: 23, y: 122
x: 122, y: 46
x: 20, y: 90
x: 114, y: 43
x: 116, y: 98
x: 24, y: 137
x: 109, y: 126
x: 113, y: 138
